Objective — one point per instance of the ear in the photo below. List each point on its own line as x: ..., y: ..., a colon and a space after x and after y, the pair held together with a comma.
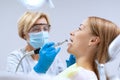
x: 25, y: 36
x: 95, y: 40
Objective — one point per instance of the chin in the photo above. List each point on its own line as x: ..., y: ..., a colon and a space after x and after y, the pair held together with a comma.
x: 69, y: 49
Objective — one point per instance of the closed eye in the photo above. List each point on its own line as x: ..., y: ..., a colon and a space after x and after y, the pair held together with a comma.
x: 79, y: 28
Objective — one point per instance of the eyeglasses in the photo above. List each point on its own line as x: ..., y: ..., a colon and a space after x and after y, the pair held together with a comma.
x: 40, y: 27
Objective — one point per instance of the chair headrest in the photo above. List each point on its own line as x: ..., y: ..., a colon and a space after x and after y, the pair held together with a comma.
x: 114, y: 47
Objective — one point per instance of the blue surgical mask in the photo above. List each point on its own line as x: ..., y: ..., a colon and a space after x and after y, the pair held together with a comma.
x: 38, y: 39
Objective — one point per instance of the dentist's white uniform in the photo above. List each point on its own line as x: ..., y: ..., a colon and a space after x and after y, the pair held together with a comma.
x: 28, y: 63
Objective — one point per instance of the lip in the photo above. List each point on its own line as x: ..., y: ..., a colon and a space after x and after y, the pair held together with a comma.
x: 71, y: 40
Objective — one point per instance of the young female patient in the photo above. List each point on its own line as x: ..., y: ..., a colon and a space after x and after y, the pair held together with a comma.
x: 89, y: 43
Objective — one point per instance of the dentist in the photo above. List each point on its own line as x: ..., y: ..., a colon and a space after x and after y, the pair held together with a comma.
x: 34, y: 27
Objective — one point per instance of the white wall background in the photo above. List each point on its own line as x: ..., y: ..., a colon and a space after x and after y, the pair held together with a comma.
x: 66, y: 16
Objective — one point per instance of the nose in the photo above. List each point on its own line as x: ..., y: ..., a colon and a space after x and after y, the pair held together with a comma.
x: 42, y: 28
x: 71, y: 33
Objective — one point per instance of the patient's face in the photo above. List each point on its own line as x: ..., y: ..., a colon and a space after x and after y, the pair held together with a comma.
x: 79, y: 39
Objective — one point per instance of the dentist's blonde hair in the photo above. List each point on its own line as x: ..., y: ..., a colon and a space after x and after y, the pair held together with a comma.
x: 27, y: 20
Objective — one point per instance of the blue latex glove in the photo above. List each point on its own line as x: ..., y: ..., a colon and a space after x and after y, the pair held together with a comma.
x: 47, y: 55
x: 71, y: 60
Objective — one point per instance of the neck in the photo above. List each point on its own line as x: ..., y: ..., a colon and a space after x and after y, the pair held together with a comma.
x: 85, y: 63
x: 28, y: 48
x: 34, y: 56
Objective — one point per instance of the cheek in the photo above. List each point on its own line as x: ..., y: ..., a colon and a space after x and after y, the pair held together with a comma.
x: 83, y: 38
x: 80, y: 39
x: 81, y: 42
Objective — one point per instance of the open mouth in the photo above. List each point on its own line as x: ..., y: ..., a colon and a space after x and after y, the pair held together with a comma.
x: 71, y: 40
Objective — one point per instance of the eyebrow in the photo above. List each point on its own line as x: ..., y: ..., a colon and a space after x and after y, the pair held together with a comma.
x: 82, y: 25
x: 41, y: 24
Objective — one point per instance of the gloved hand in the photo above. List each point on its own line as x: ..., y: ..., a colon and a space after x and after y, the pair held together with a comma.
x: 47, y: 55
x: 71, y: 60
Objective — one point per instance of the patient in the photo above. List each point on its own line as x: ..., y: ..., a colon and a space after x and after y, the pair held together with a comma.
x: 89, y: 43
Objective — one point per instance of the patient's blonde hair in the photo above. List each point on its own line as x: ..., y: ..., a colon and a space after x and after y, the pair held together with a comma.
x: 106, y: 31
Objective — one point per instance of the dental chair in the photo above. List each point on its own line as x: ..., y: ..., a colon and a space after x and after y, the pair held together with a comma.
x: 112, y: 67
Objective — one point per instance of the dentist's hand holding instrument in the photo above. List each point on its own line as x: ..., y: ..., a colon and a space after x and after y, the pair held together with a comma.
x: 47, y: 55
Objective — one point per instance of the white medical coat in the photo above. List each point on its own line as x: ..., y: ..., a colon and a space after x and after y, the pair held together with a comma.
x: 28, y: 63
